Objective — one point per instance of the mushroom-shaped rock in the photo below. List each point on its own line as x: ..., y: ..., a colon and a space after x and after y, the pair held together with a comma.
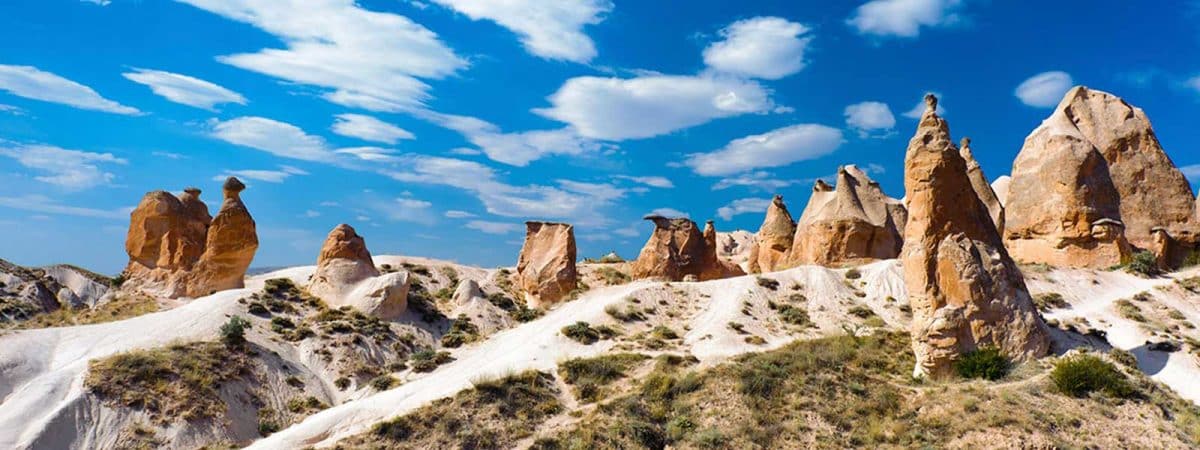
x: 982, y: 189
x: 773, y: 243
x: 851, y: 223
x: 964, y: 290
x: 346, y: 276
x: 546, y: 266
x: 176, y: 249
x: 1095, y: 157
x: 229, y: 248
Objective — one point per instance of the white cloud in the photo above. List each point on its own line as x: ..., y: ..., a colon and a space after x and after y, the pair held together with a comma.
x: 868, y: 117
x: 369, y: 128
x: 493, y: 227
x: 549, y: 29
x: 1194, y: 83
x: 919, y: 108
x: 29, y: 82
x: 581, y: 203
x: 363, y: 58
x: 1192, y: 172
x: 652, y: 181
x: 272, y: 136
x: 761, y: 47
x: 517, y: 149
x: 755, y: 180
x: 374, y: 154
x: 651, y: 105
x: 775, y: 148
x: 98, y: 2
x: 11, y: 110
x: 184, y: 89
x: 311, y: 214
x: 43, y: 204
x: 269, y: 176
x: 169, y: 155
x: 69, y: 169
x: 743, y: 206
x: 405, y: 210
x: 904, y: 18
x: 1045, y: 89
x: 456, y: 214
x: 668, y: 212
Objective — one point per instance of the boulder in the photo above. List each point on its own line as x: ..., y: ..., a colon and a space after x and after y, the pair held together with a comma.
x: 678, y: 249
x: 982, y: 189
x: 177, y: 250
x: 852, y: 223
x: 546, y: 270
x: 964, y: 290
x: 1096, y: 157
x: 773, y: 243
x: 1062, y: 206
x: 346, y: 276
x: 468, y: 300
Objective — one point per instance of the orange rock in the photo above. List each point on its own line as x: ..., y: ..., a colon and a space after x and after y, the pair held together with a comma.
x: 774, y: 239
x: 964, y: 290
x: 346, y: 276
x: 982, y: 189
x: 677, y: 249
x: 852, y: 223
x: 546, y: 269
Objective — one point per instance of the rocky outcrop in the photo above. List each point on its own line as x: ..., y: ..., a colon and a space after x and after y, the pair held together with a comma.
x: 979, y: 182
x: 1093, y: 181
x: 469, y: 301
x: 678, y: 249
x: 773, y: 243
x: 346, y: 276
x: 176, y: 249
x: 964, y: 290
x: 736, y: 247
x: 27, y: 292
x: 851, y: 223
x: 546, y: 270
x: 1000, y: 187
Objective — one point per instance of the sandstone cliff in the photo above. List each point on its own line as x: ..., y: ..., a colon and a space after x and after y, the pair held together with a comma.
x: 678, y: 249
x: 852, y: 223
x: 546, y: 269
x: 773, y: 243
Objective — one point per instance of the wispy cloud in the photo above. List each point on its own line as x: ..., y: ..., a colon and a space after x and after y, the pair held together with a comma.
x: 904, y: 18
x: 1045, y: 89
x: 185, y: 89
x: 369, y: 128
x: 776, y: 148
x: 743, y: 206
x: 46, y: 205
x: 490, y: 227
x: 549, y: 29
x: 29, y: 82
x: 69, y: 169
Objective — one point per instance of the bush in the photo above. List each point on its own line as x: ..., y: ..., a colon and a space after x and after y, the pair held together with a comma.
x: 281, y: 324
x: 428, y: 360
x: 589, y: 375
x: 1048, y: 301
x: 768, y: 283
x: 1081, y: 375
x: 525, y: 314
x: 342, y: 383
x: 383, y: 382
x: 853, y: 274
x: 266, y: 427
x: 986, y: 363
x: 861, y: 311
x: 612, y: 276
x: 628, y: 313
x: 793, y: 315
x: 1143, y: 263
x: 581, y: 332
x: 233, y: 333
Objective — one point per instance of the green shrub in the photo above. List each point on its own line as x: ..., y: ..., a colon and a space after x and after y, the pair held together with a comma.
x: 626, y: 313
x: 589, y: 375
x: 525, y: 314
x: 383, y: 382
x: 986, y: 363
x: 1081, y: 375
x: 581, y: 332
x: 281, y: 324
x: 342, y: 383
x: 1143, y: 263
x: 768, y: 283
x: 266, y: 427
x: 861, y: 311
x: 428, y: 360
x: 233, y: 333
x: 1048, y: 301
x: 853, y: 274
x: 612, y: 276
x: 794, y: 315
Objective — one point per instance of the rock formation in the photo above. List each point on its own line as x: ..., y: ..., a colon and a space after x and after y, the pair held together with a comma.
x: 1000, y: 187
x: 677, y: 249
x: 982, y: 189
x: 773, y: 243
x: 176, y: 249
x: 1091, y: 181
x: 735, y: 247
x: 546, y: 270
x: 26, y: 292
x: 851, y: 223
x: 468, y: 300
x: 346, y: 276
x: 964, y: 290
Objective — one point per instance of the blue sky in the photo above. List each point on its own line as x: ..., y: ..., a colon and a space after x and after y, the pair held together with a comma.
x: 437, y: 127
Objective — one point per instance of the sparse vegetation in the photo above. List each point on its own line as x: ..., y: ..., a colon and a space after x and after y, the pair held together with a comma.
x: 794, y: 315
x: 1081, y: 375
x: 584, y: 333
x: 1191, y: 284
x: 493, y: 414
x: 120, y: 307
x: 384, y: 382
x: 853, y: 274
x: 177, y: 381
x: 627, y: 312
x: 861, y: 311
x: 461, y: 331
x: 768, y: 283
x: 1143, y: 263
x: 525, y: 314
x: 1048, y: 301
x: 986, y: 363
x: 1130, y: 311
x: 233, y: 333
x: 589, y: 376
x: 428, y: 360
x: 612, y: 276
